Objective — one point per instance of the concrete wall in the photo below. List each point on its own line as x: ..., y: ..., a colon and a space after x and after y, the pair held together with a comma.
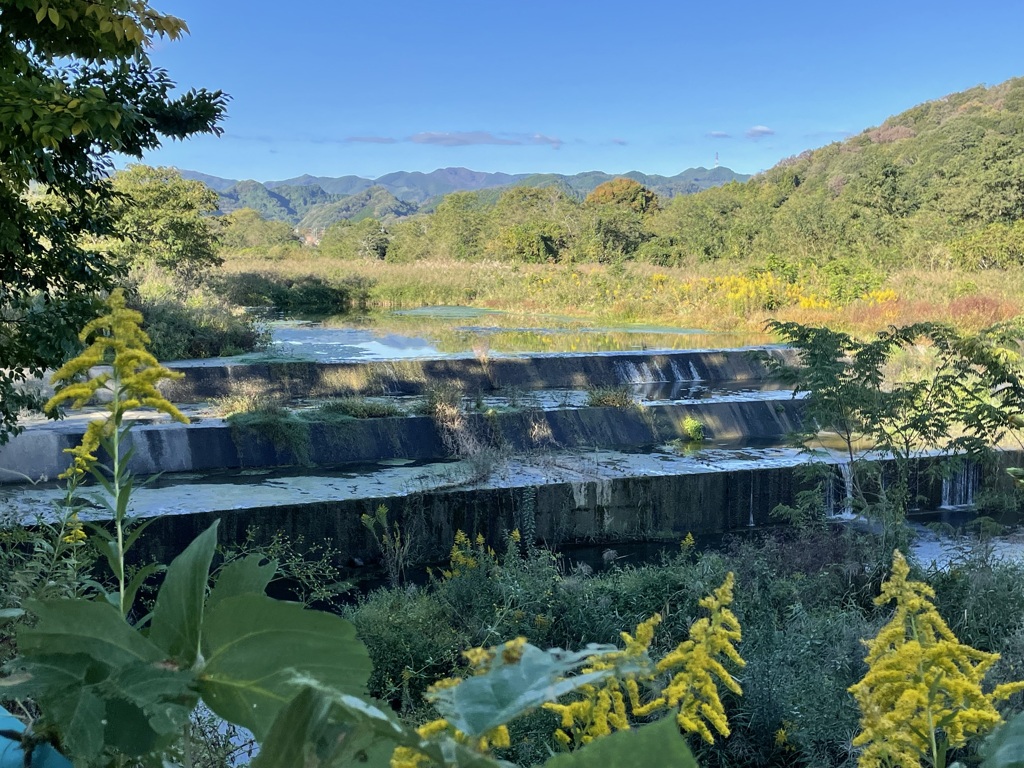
x: 211, y: 445
x: 471, y: 374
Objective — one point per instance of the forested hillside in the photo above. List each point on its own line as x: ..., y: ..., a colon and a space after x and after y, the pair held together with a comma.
x: 940, y: 183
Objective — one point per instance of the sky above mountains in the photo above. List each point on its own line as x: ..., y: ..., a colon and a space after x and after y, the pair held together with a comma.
x: 334, y: 88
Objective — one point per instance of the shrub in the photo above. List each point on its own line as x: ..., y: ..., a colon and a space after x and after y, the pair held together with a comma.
x: 611, y: 397
x: 359, y: 408
x: 693, y: 429
x: 198, y: 326
x: 306, y: 293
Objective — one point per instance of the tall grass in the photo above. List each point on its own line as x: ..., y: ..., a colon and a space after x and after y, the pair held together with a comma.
x: 713, y: 296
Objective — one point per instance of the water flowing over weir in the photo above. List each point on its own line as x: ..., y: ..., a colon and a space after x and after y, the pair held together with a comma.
x: 578, y: 471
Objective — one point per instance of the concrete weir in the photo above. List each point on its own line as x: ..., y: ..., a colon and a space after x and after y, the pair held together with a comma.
x: 527, y: 450
x: 204, y: 381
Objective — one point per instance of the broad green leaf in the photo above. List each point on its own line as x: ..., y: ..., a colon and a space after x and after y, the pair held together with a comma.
x: 249, y: 575
x: 96, y: 629
x: 165, y: 694
x: 178, y: 615
x: 292, y: 739
x: 254, y: 646
x: 81, y: 723
x: 507, y: 690
x: 326, y: 728
x: 657, y: 744
x: 1005, y: 747
x: 57, y: 684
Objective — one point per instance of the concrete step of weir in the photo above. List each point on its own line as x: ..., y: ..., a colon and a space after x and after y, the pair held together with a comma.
x: 214, y: 444
x: 205, y: 380
x: 569, y: 495
x: 562, y: 496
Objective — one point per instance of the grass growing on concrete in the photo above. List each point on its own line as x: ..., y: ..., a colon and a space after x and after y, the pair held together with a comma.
x: 285, y: 429
x: 611, y: 397
x: 357, y: 408
x: 246, y: 397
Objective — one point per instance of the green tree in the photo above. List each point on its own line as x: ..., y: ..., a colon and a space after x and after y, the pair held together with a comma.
x: 246, y: 229
x: 76, y: 85
x: 456, y: 228
x: 162, y: 221
x: 532, y: 224
x: 365, y: 239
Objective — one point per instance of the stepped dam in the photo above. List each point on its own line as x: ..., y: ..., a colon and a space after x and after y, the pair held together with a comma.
x: 527, y: 442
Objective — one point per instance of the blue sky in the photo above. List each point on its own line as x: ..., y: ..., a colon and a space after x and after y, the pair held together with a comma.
x: 336, y: 87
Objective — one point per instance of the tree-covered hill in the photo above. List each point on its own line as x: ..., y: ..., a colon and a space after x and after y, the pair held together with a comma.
x: 940, y: 183
x: 375, y: 202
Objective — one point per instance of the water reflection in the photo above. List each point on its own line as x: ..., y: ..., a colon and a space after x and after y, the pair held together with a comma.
x: 456, y: 331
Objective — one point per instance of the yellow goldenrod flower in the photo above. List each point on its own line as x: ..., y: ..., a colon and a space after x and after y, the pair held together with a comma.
x: 694, y: 667
x: 117, y: 340
x: 497, y: 738
x: 921, y: 695
x: 75, y: 533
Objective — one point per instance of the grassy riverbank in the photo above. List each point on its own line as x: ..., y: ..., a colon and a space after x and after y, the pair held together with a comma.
x: 709, y: 296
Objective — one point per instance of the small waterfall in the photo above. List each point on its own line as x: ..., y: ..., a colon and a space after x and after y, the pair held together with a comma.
x: 751, y: 521
x: 579, y: 493
x: 839, y: 501
x: 693, y: 373
x: 959, y: 488
x: 631, y: 374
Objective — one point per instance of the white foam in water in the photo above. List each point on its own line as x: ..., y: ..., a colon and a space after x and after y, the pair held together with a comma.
x: 958, y: 489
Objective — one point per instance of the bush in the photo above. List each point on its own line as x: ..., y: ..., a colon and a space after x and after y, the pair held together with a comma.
x: 611, y: 397
x: 359, y: 408
x: 199, y: 325
x: 307, y: 293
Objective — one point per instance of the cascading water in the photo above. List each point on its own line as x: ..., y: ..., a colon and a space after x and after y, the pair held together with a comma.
x: 751, y: 522
x: 959, y: 488
x: 839, y: 500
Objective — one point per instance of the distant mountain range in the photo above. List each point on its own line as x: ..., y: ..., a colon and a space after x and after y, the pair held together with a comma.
x: 312, y: 202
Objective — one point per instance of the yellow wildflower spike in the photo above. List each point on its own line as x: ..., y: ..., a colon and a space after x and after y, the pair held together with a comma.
x: 922, y: 694
x: 117, y: 340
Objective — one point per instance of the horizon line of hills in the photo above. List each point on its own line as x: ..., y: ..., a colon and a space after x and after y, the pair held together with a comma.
x: 315, y: 202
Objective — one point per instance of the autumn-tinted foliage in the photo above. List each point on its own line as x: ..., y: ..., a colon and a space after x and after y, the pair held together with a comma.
x: 625, y: 193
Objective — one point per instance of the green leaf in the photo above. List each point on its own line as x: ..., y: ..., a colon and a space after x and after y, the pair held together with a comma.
x: 136, y: 582
x: 254, y: 646
x: 507, y: 690
x: 57, y: 684
x: 249, y: 575
x: 635, y: 748
x: 1005, y: 747
x: 96, y: 629
x: 292, y: 739
x: 137, y: 530
x: 178, y: 615
x: 323, y: 727
x: 165, y: 694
